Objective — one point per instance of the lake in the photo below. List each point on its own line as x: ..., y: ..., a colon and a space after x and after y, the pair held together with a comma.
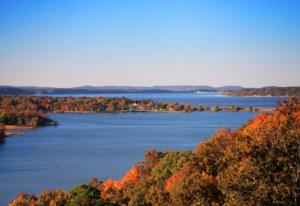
x: 106, y: 145
x: 205, y: 99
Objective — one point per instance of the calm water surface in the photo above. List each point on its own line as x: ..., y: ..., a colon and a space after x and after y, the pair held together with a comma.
x: 106, y: 145
x: 98, y: 145
x: 205, y: 99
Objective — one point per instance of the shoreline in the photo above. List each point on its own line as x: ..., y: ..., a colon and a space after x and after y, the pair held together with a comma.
x: 9, y: 134
x: 17, y: 127
x: 14, y: 130
x: 257, y: 96
x: 206, y: 109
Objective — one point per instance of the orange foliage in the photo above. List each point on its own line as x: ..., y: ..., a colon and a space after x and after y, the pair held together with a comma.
x: 287, y: 111
x: 176, y: 177
x: 183, y: 173
x: 254, y: 124
x: 221, y: 145
x: 132, y: 177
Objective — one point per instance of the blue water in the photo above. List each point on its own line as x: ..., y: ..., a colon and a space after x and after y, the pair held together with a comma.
x: 106, y: 145
x: 98, y: 145
x: 205, y: 99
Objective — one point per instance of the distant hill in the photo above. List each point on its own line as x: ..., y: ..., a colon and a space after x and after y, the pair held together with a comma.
x: 229, y: 88
x: 187, y: 88
x: 113, y: 89
x: 268, y: 91
x: 12, y: 90
x: 76, y: 90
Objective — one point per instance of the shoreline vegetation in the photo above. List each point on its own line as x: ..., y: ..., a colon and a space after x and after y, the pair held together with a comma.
x: 257, y: 164
x: 18, y: 112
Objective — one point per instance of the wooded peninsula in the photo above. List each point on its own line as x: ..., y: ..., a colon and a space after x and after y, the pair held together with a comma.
x: 31, y: 111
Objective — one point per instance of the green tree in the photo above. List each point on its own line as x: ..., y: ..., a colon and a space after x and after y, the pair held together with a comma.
x: 84, y: 195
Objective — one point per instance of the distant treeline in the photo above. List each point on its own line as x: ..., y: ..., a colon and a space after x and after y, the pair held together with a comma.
x: 31, y: 110
x: 113, y: 89
x: 258, y: 164
x: 268, y: 91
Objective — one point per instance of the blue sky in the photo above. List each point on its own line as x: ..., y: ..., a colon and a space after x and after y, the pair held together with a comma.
x: 67, y: 43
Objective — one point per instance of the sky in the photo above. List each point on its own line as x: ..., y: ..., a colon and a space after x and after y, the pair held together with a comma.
x: 67, y: 43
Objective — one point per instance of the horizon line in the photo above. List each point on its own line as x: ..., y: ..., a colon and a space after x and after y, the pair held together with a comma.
x: 171, y: 85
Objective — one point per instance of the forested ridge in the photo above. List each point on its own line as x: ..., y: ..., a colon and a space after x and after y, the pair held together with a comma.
x: 267, y: 91
x: 258, y: 164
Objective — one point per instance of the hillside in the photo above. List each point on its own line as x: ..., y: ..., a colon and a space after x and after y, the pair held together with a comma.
x: 258, y: 164
x: 268, y: 91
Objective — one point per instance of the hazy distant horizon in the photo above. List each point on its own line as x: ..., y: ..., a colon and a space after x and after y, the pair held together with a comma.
x: 146, y: 86
x: 63, y: 43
